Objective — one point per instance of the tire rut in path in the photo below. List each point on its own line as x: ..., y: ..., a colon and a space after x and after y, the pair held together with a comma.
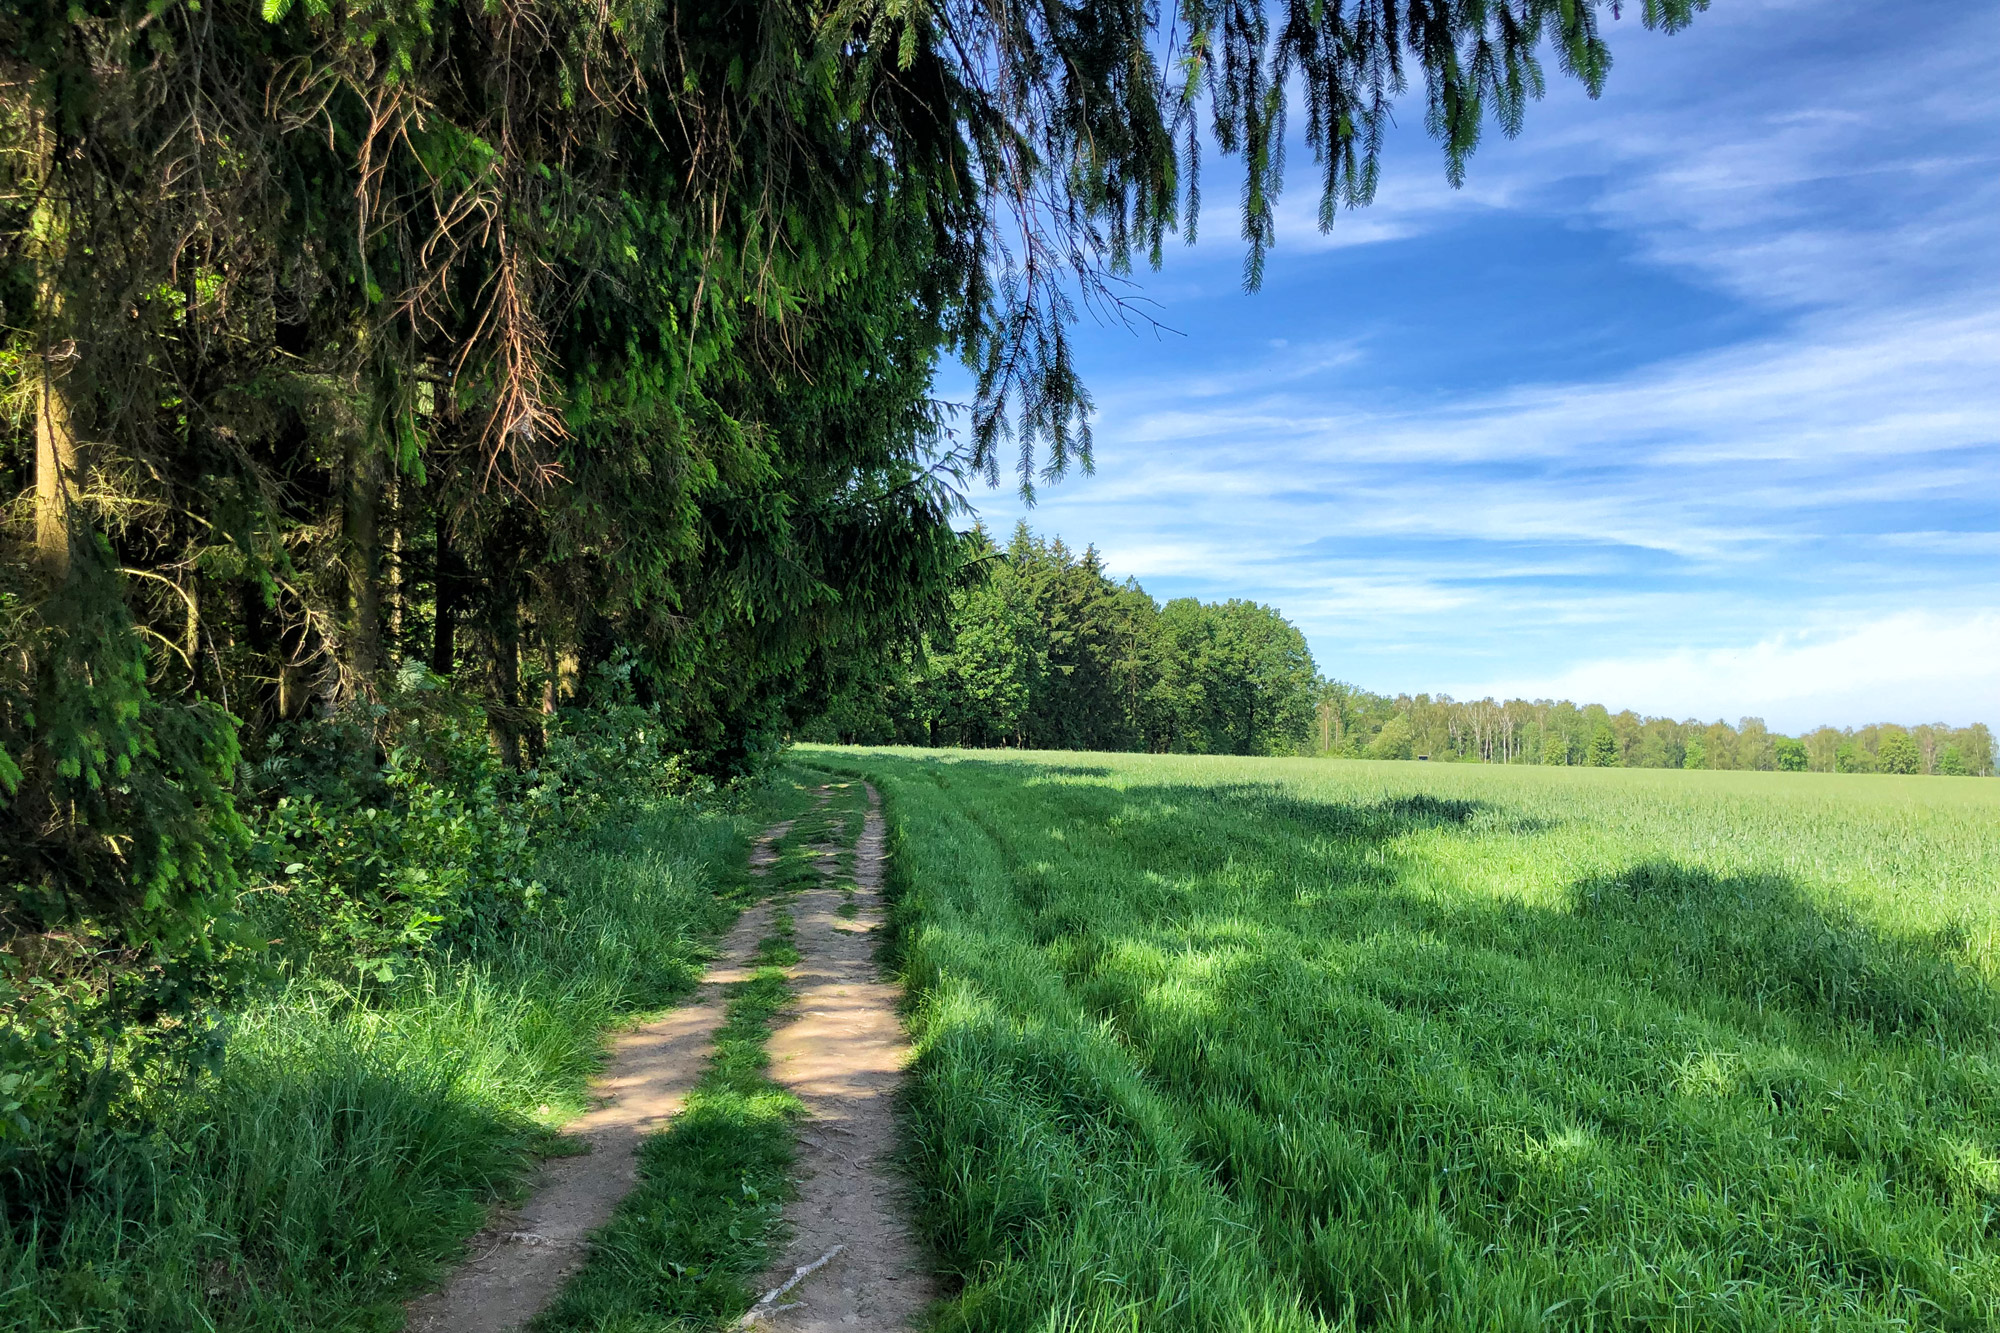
x: 843, y: 1055
x: 518, y: 1263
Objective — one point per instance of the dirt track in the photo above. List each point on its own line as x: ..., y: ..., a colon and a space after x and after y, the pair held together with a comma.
x: 841, y: 1052
x: 843, y: 1055
x: 519, y: 1263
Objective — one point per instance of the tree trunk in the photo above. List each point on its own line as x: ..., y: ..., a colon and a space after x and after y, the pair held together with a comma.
x: 58, y: 457
x: 361, y: 530
x: 504, y: 676
x: 258, y: 636
x: 450, y: 591
x: 502, y: 616
x: 58, y: 471
x: 535, y: 737
x: 396, y: 576
x: 293, y: 688
x: 551, y: 674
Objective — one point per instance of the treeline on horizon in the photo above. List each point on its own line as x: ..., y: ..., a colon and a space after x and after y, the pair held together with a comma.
x: 1047, y: 651
x: 1363, y: 725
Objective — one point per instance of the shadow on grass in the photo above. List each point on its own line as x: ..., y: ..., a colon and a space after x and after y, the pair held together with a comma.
x: 1391, y: 817
x: 1195, y: 1050
x: 1764, y: 939
x: 942, y: 769
x: 1761, y: 938
x: 298, y: 1193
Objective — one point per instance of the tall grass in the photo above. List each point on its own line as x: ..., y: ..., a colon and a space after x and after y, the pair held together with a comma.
x: 1229, y: 1044
x: 346, y: 1148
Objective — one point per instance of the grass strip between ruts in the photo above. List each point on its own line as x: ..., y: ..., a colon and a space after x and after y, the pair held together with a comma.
x: 708, y: 1210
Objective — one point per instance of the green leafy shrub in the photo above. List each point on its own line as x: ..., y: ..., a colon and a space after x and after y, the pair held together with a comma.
x: 1603, y: 751
x: 1851, y: 758
x: 386, y: 831
x: 606, y: 761
x: 375, y: 883
x: 393, y: 831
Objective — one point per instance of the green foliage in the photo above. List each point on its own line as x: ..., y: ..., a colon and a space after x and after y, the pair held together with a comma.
x: 1898, y: 754
x: 1220, y: 1043
x: 355, y: 1134
x: 1603, y: 751
x: 379, y: 883
x: 978, y: 689
x: 1045, y: 651
x: 1792, y: 756
x: 1696, y: 754
x: 1394, y: 741
x: 370, y: 866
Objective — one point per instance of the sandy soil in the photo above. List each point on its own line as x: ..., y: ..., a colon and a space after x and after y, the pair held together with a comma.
x: 518, y: 1264
x: 843, y: 1055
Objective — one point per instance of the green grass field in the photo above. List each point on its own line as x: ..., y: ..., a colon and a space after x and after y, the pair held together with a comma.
x: 1248, y: 1044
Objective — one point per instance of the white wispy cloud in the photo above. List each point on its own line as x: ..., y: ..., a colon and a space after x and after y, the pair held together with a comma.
x: 1829, y: 169
x: 1697, y: 456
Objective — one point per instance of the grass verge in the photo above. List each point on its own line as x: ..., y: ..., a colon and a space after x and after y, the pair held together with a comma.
x: 346, y: 1149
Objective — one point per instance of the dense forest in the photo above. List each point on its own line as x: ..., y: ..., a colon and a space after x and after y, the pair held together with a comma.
x: 1045, y: 650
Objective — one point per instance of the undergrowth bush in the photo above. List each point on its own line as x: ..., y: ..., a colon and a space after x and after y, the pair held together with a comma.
x: 392, y: 829
x: 357, y: 1127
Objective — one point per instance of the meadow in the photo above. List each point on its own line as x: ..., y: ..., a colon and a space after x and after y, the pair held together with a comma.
x: 1263, y: 1044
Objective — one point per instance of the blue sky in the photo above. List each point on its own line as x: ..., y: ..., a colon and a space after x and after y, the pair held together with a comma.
x: 1688, y: 402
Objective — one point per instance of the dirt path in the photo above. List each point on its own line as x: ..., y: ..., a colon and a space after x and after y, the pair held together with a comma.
x: 520, y: 1262
x: 843, y: 1055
